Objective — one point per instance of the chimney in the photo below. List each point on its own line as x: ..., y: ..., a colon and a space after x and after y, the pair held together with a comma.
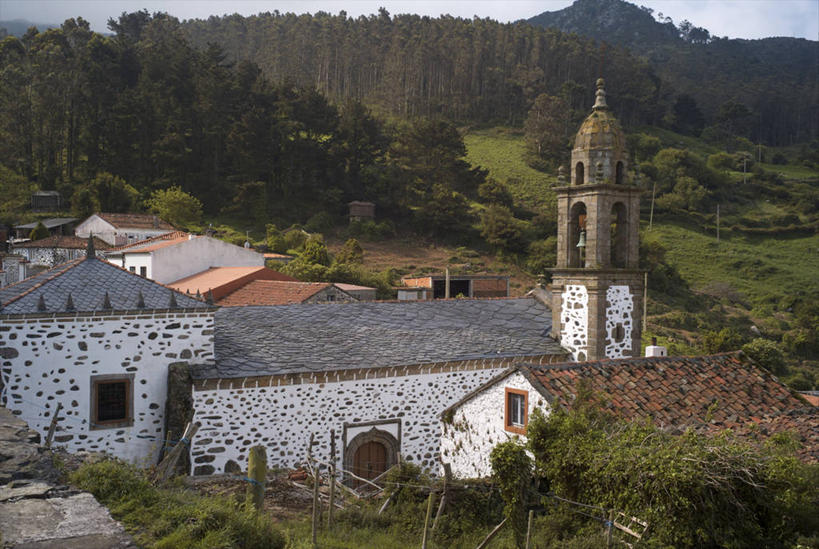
x: 655, y: 350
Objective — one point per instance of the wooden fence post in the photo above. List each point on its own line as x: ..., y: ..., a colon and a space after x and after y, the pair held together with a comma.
x: 53, y: 427
x: 608, y: 528
x: 256, y: 472
x: 529, y: 529
x: 426, y: 520
x: 491, y: 535
x: 165, y: 468
x: 445, y: 496
x: 332, y: 480
x: 316, y: 482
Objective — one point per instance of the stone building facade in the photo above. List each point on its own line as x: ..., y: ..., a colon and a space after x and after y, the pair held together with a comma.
x: 97, y: 341
x: 597, y: 287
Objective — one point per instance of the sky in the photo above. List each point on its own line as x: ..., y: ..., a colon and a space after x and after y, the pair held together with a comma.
x: 731, y: 18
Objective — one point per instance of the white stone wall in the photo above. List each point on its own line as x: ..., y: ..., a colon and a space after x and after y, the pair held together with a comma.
x: 477, y: 426
x: 135, y: 261
x: 51, y: 359
x: 172, y: 263
x: 619, y: 310
x: 282, y: 418
x: 574, y: 321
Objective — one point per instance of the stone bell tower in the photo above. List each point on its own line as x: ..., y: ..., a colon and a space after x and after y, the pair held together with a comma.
x: 597, y: 287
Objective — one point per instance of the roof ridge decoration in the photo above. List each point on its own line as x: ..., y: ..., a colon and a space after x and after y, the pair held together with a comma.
x: 600, y: 97
x: 89, y: 250
x: 41, y: 304
x: 173, y: 304
x: 140, y: 300
x: 106, y: 302
x: 69, y: 303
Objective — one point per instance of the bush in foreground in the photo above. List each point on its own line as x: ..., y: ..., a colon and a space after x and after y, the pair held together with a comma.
x: 178, y: 519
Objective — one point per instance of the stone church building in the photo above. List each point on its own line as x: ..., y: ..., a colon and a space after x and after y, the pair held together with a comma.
x: 99, y: 341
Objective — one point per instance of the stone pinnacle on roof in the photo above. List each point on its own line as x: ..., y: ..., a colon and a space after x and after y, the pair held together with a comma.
x: 140, y: 300
x: 173, y: 304
x: 89, y: 250
x: 106, y: 302
x: 209, y: 299
x: 198, y: 295
x: 600, y: 97
x: 41, y: 304
x: 69, y: 303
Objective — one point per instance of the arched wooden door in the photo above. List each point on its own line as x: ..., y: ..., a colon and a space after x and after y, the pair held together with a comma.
x: 369, y: 461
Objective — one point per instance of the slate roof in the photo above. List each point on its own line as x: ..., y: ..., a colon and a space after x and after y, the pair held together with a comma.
x: 135, y: 221
x: 727, y: 389
x: 64, y: 241
x: 255, y: 341
x: 87, y: 281
x: 48, y: 223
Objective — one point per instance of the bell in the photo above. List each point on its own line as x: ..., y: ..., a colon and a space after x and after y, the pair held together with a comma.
x: 581, y: 242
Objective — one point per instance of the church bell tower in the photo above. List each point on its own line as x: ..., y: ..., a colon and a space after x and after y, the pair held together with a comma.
x: 597, y: 287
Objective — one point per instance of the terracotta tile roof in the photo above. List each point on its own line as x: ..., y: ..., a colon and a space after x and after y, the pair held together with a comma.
x: 802, y: 424
x: 224, y: 280
x: 272, y: 292
x: 348, y: 287
x: 273, y: 255
x: 811, y: 396
x: 135, y: 221
x: 173, y: 235
x: 155, y: 245
x: 64, y: 241
x: 725, y: 389
x: 87, y: 281
x: 48, y: 223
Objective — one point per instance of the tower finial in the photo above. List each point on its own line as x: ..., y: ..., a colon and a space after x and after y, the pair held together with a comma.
x: 600, y: 97
x: 140, y: 300
x: 89, y: 249
x: 41, y: 304
x: 106, y: 302
x: 173, y: 304
x: 69, y: 303
x: 561, y: 176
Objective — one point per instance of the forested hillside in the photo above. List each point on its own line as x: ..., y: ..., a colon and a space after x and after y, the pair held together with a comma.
x: 766, y: 90
x: 468, y: 70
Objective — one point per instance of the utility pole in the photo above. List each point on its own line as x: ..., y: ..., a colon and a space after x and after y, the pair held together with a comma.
x: 651, y: 215
x: 717, y: 223
x: 744, y: 163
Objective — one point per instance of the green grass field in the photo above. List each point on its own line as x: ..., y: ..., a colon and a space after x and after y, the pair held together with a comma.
x: 501, y: 151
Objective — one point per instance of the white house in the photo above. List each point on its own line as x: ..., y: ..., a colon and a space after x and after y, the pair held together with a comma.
x: 56, y: 249
x: 718, y: 391
x: 174, y: 256
x: 377, y: 373
x: 118, y: 229
x: 97, y: 341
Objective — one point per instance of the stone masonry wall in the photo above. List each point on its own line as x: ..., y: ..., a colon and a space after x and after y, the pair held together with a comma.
x: 51, y: 359
x: 280, y: 412
x: 478, y: 425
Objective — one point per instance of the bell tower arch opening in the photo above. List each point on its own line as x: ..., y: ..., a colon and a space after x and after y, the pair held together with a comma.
x: 577, y: 236
x: 579, y: 174
x: 618, y: 173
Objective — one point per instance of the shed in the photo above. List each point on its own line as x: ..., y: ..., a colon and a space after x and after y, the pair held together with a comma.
x: 361, y: 211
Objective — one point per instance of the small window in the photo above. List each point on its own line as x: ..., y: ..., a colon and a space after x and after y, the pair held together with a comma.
x: 517, y: 410
x: 112, y: 402
x: 132, y: 269
x: 143, y: 272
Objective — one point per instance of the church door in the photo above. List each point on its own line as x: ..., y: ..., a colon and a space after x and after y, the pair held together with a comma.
x: 370, y: 460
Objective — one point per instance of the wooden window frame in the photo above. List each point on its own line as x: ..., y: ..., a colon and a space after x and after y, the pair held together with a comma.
x: 507, y: 419
x: 96, y: 381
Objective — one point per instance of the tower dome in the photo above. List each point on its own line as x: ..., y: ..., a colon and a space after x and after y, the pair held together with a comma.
x: 599, y: 154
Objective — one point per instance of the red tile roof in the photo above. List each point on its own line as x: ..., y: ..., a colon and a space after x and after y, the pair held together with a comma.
x: 173, y: 235
x: 272, y: 292
x: 64, y: 241
x: 135, y: 221
x: 224, y: 280
x: 725, y: 389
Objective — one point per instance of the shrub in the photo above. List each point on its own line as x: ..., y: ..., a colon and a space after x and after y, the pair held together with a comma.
x: 174, y: 519
x: 175, y: 206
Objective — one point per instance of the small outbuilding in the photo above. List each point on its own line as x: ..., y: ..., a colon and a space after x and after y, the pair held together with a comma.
x: 361, y: 211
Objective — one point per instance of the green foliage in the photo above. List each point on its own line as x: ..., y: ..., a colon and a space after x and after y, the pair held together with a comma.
x: 643, y: 146
x: 167, y: 518
x: 492, y: 191
x: 39, y: 232
x: 371, y: 230
x: 767, y: 354
x: 547, y: 128
x: 274, y: 239
x: 446, y: 212
x: 16, y: 192
x: 104, y: 193
x: 542, y: 256
x: 694, y: 490
x: 501, y: 230
x: 512, y: 471
x: 321, y: 222
x: 718, y: 341
x: 175, y: 206
x: 315, y: 251
x: 350, y: 253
